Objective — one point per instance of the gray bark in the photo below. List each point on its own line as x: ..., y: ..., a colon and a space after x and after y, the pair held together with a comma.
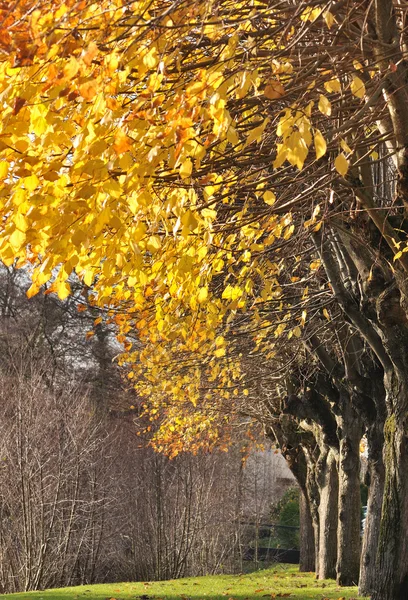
x: 392, y: 556
x: 348, y: 559
x: 328, y: 518
x: 307, y: 538
x: 368, y: 571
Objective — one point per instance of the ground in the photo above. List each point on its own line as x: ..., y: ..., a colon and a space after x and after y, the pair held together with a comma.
x: 279, y: 581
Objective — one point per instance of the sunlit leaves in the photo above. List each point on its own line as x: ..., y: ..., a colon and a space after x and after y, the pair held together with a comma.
x: 269, y: 198
x: 151, y: 160
x: 4, y: 167
x: 341, y: 164
x: 320, y: 144
x: 186, y: 168
x: 324, y: 105
x: 333, y: 85
x: 357, y: 87
x: 274, y: 90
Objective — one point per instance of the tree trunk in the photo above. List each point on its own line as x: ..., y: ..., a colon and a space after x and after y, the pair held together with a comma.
x: 392, y: 558
x: 307, y: 540
x: 328, y: 518
x: 371, y: 533
x: 348, y: 534
x: 313, y: 498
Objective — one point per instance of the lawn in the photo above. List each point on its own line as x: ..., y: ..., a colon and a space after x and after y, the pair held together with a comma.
x: 280, y: 581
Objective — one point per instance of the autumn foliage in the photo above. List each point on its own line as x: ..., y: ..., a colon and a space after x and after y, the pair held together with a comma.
x: 145, y: 148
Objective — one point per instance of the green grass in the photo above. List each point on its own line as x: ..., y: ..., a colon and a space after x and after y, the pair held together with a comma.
x: 275, y: 582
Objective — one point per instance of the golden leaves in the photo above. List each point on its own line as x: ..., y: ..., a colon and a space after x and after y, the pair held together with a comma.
x: 186, y: 168
x: 269, y: 198
x: 122, y: 142
x: 89, y: 89
x: 341, y: 164
x: 90, y: 53
x: 31, y: 182
x: 274, y: 90
x: 4, y: 167
x: 232, y: 292
x: 256, y: 133
x: 357, y: 87
x: 71, y: 68
x: 123, y: 166
x: 17, y: 239
x: 202, y: 295
x: 329, y: 18
x: 320, y: 144
x: 333, y: 85
x: 324, y: 105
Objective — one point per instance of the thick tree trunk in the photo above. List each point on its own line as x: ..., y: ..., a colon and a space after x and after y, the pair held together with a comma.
x: 328, y: 518
x: 307, y: 539
x: 348, y: 534
x: 376, y: 477
x: 371, y: 534
x: 313, y: 496
x: 392, y: 558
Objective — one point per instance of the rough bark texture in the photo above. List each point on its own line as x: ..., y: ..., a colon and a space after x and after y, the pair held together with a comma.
x: 307, y: 541
x: 368, y: 572
x: 392, y: 558
x: 328, y: 518
x: 348, y: 559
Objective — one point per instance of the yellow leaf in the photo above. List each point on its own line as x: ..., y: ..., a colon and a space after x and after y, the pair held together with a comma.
x: 153, y: 243
x: 311, y: 14
x: 329, y: 18
x: 30, y: 183
x: 63, y: 289
x: 274, y: 90
x: 357, y: 87
x: 89, y: 334
x: 326, y: 314
x: 269, y: 198
x: 202, y: 294
x: 21, y: 222
x: 71, y: 68
x: 315, y: 265
x: 256, y: 133
x: 209, y: 213
x: 333, y: 85
x: 88, y: 90
x: 189, y: 220
x: 151, y: 59
x: 232, y: 292
x: 320, y: 144
x: 39, y: 126
x: 4, y: 166
x: 122, y: 142
x: 32, y: 290
x: 17, y: 239
x: 324, y: 105
x: 341, y: 164
x: 90, y: 53
x: 219, y: 352
x: 186, y: 168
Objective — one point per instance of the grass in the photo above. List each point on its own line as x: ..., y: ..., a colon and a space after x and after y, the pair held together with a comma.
x: 279, y: 581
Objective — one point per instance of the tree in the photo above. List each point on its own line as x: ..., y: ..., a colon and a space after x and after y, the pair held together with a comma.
x: 217, y: 174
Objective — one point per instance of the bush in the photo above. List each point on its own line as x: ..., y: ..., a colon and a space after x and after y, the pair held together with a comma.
x: 285, y: 514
